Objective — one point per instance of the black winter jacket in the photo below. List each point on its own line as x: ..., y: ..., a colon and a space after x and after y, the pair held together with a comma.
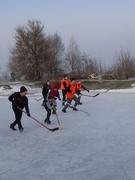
x: 20, y: 101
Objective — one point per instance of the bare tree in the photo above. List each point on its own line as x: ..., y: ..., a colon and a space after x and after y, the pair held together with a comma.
x: 32, y: 51
x: 90, y: 66
x: 73, y: 56
x: 124, y: 68
x: 53, y: 66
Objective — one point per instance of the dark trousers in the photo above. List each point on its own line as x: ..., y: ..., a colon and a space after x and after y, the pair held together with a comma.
x: 18, y: 116
x: 64, y: 95
x: 79, y: 96
x: 48, y: 112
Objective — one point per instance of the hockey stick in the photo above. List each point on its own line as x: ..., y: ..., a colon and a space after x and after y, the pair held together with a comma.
x: 90, y: 95
x: 54, y: 129
x: 38, y: 99
x: 84, y: 112
x: 71, y: 106
x: 58, y: 119
x: 105, y: 91
x: 60, y: 127
x: 6, y: 171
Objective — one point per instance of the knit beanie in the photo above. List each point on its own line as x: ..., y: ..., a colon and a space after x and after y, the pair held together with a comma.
x: 23, y: 89
x: 72, y: 79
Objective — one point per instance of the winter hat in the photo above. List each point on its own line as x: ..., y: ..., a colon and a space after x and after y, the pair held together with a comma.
x: 48, y: 81
x: 72, y: 79
x: 55, y: 86
x: 23, y: 89
x: 65, y: 75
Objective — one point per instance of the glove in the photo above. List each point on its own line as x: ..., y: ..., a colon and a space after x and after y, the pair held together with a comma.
x: 28, y: 114
x: 88, y: 91
x: 51, y: 104
x: 14, y: 104
x: 44, y: 102
x: 54, y: 108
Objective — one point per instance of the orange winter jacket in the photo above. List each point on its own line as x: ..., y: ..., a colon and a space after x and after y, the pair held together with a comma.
x: 64, y: 84
x: 71, y: 90
x: 78, y: 85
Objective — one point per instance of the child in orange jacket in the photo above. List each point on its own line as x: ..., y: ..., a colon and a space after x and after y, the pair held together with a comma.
x: 70, y: 95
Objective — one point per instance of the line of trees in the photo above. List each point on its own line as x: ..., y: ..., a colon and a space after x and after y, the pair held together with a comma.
x: 37, y: 55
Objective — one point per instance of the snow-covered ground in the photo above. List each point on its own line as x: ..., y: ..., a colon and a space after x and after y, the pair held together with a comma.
x: 96, y: 147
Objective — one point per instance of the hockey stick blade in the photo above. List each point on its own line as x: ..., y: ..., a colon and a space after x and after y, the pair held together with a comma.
x: 104, y: 91
x: 90, y: 95
x: 96, y: 95
x: 38, y: 99
x: 54, y: 129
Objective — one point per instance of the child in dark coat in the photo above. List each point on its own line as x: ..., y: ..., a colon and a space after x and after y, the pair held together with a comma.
x: 45, y: 90
x: 19, y: 100
x: 55, y: 93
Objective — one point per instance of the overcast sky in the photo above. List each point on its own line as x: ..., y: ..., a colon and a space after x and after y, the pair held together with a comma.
x: 101, y: 28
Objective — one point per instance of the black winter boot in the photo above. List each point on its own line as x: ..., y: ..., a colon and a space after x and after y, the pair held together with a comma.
x: 21, y: 129
x: 12, y: 127
x: 74, y: 109
x: 63, y: 103
x: 63, y: 110
x: 48, y: 122
x: 80, y: 103
x: 45, y: 121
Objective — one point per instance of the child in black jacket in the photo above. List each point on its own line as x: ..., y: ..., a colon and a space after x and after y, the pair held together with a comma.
x: 19, y: 100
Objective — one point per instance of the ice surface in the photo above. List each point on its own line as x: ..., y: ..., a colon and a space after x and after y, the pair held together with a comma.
x: 96, y: 147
